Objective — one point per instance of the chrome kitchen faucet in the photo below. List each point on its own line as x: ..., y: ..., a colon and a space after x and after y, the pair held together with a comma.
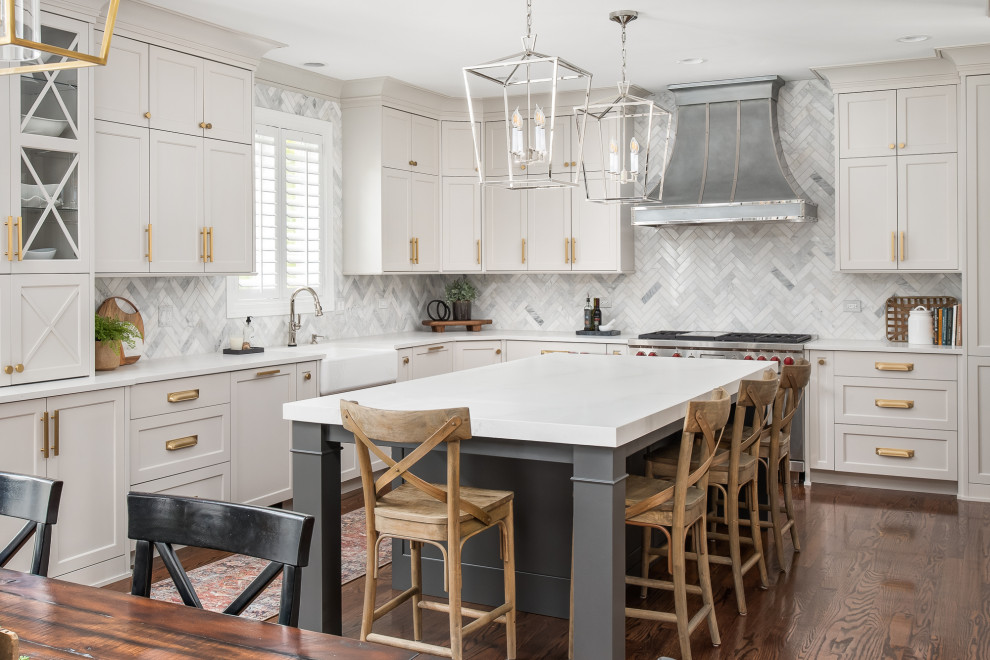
x: 295, y: 320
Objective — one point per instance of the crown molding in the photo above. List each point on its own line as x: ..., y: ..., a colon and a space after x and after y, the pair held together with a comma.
x: 299, y: 80
x: 894, y: 74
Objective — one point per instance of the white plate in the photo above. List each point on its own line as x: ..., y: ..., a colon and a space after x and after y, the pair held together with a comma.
x: 40, y: 253
x: 42, y: 126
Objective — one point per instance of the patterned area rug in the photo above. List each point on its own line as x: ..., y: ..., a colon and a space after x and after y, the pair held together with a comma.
x: 218, y: 583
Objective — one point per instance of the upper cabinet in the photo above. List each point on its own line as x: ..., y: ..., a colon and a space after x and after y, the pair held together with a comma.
x: 898, y: 180
x: 410, y: 142
x: 170, y: 121
x: 978, y: 239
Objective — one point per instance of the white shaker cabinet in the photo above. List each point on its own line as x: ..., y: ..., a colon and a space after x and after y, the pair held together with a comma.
x: 927, y: 218
x: 821, y: 412
x: 505, y: 229
x: 457, y: 157
x: 977, y: 312
x: 260, y: 454
x: 461, y: 232
x: 122, y: 192
x: 228, y: 206
x: 867, y: 224
x: 548, y: 229
x: 122, y: 86
x: 410, y: 142
x: 21, y: 439
x: 178, y: 244
x: 432, y: 360
x: 901, y: 122
x: 227, y: 103
x: 404, y: 371
x: 410, y: 221
x: 601, y: 236
x: 471, y: 354
x: 867, y: 124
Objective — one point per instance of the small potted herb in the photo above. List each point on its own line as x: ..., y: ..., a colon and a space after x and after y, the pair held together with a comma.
x: 110, y: 333
x: 460, y: 293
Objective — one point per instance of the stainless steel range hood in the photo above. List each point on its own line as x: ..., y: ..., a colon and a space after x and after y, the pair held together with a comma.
x: 727, y: 165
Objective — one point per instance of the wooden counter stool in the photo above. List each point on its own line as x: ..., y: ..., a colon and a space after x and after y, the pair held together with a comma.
x: 775, y: 454
x: 676, y: 507
x: 444, y: 516
x: 34, y: 500
x: 733, y: 470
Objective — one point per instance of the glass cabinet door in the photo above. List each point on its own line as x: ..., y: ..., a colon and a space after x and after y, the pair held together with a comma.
x: 49, y: 110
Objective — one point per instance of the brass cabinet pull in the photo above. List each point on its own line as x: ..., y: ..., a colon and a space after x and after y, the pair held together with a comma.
x: 524, y: 250
x: 149, y: 242
x: 436, y: 348
x: 417, y: 250
x: 202, y: 234
x: 10, y: 237
x: 20, y: 239
x: 44, y: 447
x: 895, y: 453
x: 902, y: 246
x: 893, y: 366
x: 270, y: 372
x: 412, y: 250
x: 9, y: 369
x: 182, y: 443
x: 479, y: 251
x: 19, y: 368
x: 573, y: 250
x: 567, y: 250
x: 147, y: 115
x: 893, y: 246
x: 903, y: 404
x: 821, y: 361
x: 209, y: 233
x: 405, y: 360
x: 185, y: 395
x: 55, y: 434
x: 307, y: 375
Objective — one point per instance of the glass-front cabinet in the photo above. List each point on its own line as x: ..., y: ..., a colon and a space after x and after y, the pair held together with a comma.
x: 48, y: 119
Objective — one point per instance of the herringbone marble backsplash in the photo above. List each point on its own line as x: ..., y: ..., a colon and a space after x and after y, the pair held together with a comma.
x: 773, y: 278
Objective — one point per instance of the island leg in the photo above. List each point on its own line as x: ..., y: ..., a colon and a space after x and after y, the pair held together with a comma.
x: 316, y: 491
x: 599, y: 554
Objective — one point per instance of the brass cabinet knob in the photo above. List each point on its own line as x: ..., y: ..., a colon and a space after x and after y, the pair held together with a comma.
x: 8, y: 370
x: 821, y: 361
x: 19, y: 368
x: 307, y: 376
x: 413, y: 163
x: 900, y: 146
x: 147, y: 115
x: 522, y: 167
x: 202, y: 124
x: 891, y: 145
x: 498, y: 351
x: 573, y: 163
x: 209, y: 126
x: 405, y: 360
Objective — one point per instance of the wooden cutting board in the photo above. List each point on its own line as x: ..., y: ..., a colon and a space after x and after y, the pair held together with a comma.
x: 111, y: 309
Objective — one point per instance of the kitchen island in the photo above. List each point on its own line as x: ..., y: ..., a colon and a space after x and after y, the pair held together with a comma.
x: 582, y: 415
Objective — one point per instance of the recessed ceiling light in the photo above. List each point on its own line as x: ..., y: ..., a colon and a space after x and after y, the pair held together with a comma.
x: 314, y: 65
x: 692, y: 60
x: 914, y: 38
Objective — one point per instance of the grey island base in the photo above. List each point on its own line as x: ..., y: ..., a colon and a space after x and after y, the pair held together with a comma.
x: 537, y: 426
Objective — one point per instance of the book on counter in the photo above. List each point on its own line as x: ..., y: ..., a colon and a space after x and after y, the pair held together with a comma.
x: 947, y: 322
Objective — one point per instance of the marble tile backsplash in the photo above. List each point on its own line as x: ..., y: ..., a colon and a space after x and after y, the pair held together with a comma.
x: 773, y: 278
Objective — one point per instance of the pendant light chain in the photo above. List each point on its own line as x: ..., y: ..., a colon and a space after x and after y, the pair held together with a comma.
x: 529, y: 18
x: 623, y: 53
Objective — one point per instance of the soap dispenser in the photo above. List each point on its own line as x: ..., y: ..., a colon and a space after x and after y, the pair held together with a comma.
x: 248, y: 334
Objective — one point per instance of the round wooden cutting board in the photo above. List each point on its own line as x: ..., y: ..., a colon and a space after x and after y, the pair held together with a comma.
x: 111, y: 308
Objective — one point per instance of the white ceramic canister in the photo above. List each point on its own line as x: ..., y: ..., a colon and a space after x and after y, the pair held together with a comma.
x: 920, y: 330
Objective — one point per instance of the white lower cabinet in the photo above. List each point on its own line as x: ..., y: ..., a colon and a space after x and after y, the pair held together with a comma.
x: 404, y: 371
x: 432, y: 360
x: 165, y: 445
x: 893, y: 414
x: 516, y: 350
x: 260, y: 457
x: 979, y: 420
x: 85, y: 449
x: 471, y: 354
x: 210, y: 483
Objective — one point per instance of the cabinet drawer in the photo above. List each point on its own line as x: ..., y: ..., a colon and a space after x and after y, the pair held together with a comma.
x: 517, y: 349
x: 923, y: 404
x: 209, y: 483
x: 167, y: 396
x: 921, y: 453
x: 165, y: 445
x: 895, y: 365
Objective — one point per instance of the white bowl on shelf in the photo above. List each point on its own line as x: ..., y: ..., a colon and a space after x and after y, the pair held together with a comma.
x: 42, y: 126
x: 40, y: 253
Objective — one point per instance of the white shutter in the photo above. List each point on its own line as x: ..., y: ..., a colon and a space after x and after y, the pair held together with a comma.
x: 303, y: 203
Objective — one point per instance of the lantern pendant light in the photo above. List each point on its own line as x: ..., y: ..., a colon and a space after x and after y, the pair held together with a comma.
x: 20, y: 40
x: 620, y: 136
x: 529, y: 84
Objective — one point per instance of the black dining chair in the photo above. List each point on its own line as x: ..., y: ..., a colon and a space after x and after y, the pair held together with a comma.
x: 157, y: 522
x: 35, y: 500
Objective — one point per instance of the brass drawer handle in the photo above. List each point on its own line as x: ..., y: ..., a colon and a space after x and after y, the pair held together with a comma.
x: 895, y: 453
x: 524, y: 250
x: 436, y: 348
x: 186, y: 395
x: 149, y: 242
x: 270, y: 372
x: 20, y: 239
x: 182, y: 443
x: 894, y: 403
x: 55, y: 434
x: 10, y: 237
x: 567, y: 250
x: 44, y: 447
x: 479, y: 250
x: 206, y: 254
x: 893, y: 246
x: 893, y: 366
x: 573, y: 249
x: 902, y: 246
x: 209, y: 233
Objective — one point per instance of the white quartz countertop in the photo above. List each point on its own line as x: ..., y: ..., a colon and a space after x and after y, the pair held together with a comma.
x: 150, y: 370
x: 592, y: 400
x: 881, y: 345
x: 399, y: 340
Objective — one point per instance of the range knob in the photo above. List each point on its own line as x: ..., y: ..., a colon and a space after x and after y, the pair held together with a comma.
x: 640, y: 353
x: 675, y: 355
x: 748, y: 357
x: 762, y: 358
x: 775, y: 359
x: 788, y: 360
x: 653, y: 353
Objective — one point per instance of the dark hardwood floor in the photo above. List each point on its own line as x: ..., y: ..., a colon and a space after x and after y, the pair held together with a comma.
x: 883, y: 574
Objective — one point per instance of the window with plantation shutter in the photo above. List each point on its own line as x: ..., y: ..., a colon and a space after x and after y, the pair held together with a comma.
x: 291, y: 192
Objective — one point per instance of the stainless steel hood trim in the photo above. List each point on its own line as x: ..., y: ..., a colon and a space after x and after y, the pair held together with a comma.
x: 727, y: 164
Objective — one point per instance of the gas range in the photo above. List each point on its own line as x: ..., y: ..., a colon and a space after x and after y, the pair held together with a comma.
x: 720, y: 345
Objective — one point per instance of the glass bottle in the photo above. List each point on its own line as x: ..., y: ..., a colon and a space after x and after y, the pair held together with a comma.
x: 588, y: 320
x: 596, y: 315
x: 248, y: 334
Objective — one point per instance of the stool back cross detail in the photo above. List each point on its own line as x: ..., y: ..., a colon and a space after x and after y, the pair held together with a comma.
x: 34, y: 500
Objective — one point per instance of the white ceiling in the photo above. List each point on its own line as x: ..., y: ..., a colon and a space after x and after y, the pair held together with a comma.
x: 427, y: 43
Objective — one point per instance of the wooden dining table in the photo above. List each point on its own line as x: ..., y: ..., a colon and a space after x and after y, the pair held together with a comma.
x: 61, y: 620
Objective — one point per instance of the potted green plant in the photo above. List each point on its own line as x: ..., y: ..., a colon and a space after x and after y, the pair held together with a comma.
x: 460, y: 293
x: 109, y: 334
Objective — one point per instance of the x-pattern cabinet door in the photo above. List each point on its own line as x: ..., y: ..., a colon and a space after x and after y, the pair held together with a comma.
x: 49, y: 327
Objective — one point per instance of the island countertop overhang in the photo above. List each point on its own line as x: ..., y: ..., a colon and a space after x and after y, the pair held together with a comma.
x: 580, y: 400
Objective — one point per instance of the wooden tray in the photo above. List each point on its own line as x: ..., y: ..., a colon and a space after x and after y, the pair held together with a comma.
x: 473, y: 325
x: 899, y: 307
x: 111, y: 310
